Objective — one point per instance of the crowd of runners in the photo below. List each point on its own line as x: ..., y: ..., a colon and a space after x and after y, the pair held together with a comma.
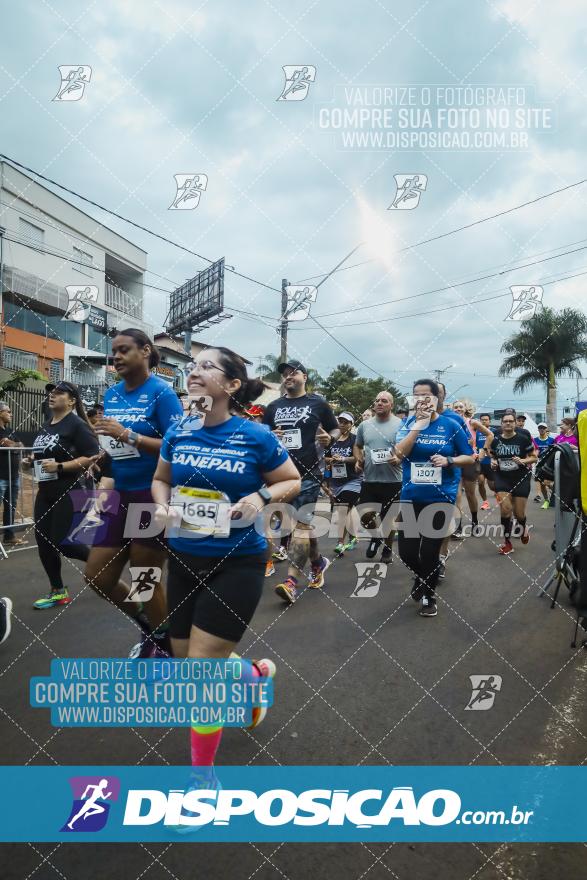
x: 225, y: 492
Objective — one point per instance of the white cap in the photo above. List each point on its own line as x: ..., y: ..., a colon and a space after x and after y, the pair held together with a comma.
x: 347, y: 416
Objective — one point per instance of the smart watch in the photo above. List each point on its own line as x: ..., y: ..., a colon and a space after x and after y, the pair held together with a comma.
x: 132, y: 438
x: 265, y: 494
x: 59, y: 470
x: 449, y: 460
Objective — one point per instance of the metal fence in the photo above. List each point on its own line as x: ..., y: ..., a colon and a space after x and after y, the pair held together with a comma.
x: 27, y: 412
x: 18, y: 489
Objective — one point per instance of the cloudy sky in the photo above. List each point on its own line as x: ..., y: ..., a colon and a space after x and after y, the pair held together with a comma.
x: 186, y: 87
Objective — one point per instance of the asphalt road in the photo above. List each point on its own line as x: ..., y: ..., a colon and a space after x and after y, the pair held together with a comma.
x: 360, y: 680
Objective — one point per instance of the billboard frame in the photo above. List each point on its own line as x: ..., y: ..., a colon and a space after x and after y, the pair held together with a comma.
x: 200, y: 299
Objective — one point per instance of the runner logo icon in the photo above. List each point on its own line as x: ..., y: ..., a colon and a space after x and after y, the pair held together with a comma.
x: 90, y: 808
x: 484, y: 689
x: 369, y: 577
x: 144, y: 580
x: 297, y: 82
x: 408, y: 190
x: 189, y: 188
x: 74, y: 79
x: 525, y: 302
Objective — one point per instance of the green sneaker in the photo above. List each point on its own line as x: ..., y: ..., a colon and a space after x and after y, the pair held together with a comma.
x: 55, y: 597
x: 339, y: 549
x: 545, y: 506
x: 351, y: 544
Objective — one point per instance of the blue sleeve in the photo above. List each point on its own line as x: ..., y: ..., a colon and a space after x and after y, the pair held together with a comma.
x: 169, y: 410
x: 167, y: 444
x: 272, y: 453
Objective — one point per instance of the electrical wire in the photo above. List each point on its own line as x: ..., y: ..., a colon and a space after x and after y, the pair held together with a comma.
x: 133, y: 223
x: 410, y: 247
x: 452, y: 286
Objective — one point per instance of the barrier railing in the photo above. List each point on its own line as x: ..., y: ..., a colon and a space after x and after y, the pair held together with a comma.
x: 18, y: 489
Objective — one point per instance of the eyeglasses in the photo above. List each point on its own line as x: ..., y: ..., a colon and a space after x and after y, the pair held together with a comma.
x: 202, y: 366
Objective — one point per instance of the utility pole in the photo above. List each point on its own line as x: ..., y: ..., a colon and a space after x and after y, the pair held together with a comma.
x: 283, y: 324
x: 187, y: 341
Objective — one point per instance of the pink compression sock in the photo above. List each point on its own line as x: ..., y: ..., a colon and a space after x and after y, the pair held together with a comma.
x: 206, y: 739
x: 204, y: 745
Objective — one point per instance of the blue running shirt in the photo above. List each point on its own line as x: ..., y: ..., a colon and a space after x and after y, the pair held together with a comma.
x: 229, y: 458
x: 149, y: 410
x: 542, y: 445
x: 443, y: 436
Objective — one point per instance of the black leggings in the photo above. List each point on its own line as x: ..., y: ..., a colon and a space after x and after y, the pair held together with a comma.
x: 53, y: 522
x: 420, y: 553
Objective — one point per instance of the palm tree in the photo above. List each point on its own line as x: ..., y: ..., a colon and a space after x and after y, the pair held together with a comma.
x: 547, y: 346
x: 268, y: 370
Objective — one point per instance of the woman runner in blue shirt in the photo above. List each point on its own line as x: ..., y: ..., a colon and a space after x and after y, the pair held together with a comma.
x: 137, y: 413
x: 216, y: 473
x: 432, y: 447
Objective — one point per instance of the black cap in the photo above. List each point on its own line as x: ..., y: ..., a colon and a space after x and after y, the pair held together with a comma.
x: 49, y: 386
x: 294, y: 365
x: 69, y: 387
x: 521, y: 416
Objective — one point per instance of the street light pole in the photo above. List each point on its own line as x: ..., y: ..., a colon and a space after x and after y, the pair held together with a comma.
x: 283, y: 322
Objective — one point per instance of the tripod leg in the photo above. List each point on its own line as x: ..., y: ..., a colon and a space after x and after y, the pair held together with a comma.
x: 574, y: 642
x: 557, y: 588
x: 544, y: 589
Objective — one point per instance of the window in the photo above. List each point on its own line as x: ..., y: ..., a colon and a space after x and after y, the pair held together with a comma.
x: 31, y: 234
x: 13, y: 359
x: 56, y: 371
x: 83, y: 262
x: 97, y: 340
x: 25, y: 318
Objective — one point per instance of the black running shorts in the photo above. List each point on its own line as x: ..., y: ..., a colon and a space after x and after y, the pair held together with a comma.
x: 518, y: 486
x: 217, y: 594
x: 384, y: 494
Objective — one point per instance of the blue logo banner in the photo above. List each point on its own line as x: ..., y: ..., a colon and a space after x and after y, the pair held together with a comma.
x: 311, y: 804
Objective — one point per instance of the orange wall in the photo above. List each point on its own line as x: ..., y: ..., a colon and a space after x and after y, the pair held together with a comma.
x: 51, y: 349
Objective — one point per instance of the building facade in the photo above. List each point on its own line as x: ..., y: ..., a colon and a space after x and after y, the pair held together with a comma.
x: 48, y: 244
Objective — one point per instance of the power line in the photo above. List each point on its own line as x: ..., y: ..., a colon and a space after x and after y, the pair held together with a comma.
x: 61, y: 256
x: 452, y: 286
x: 466, y: 226
x: 46, y: 219
x: 132, y: 223
x: 449, y: 308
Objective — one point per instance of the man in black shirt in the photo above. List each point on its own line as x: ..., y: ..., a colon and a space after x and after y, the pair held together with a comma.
x: 297, y: 418
x: 9, y: 476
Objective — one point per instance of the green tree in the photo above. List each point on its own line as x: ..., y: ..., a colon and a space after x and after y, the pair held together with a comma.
x: 18, y: 380
x: 344, y: 388
x: 341, y: 375
x: 268, y: 370
x: 546, y: 347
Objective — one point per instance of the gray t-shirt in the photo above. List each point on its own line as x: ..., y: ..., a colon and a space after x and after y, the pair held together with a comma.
x: 375, y: 437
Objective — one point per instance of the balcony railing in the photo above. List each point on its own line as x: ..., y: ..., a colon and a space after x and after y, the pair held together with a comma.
x: 122, y: 301
x: 12, y: 359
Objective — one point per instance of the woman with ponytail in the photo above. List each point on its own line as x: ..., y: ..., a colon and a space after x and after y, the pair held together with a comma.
x: 63, y: 450
x: 216, y: 473
x: 137, y: 413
